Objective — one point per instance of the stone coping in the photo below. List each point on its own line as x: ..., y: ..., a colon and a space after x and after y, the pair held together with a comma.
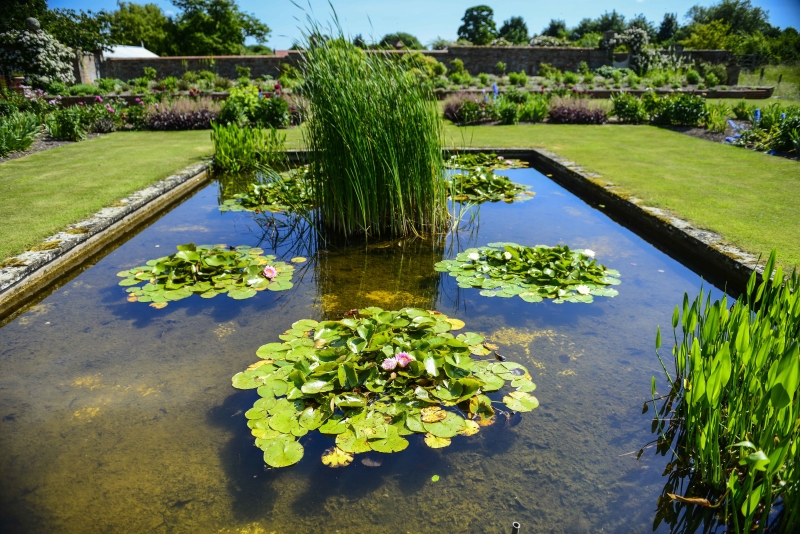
x: 62, y: 252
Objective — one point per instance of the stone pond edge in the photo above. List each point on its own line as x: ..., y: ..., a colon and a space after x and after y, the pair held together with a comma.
x: 68, y: 249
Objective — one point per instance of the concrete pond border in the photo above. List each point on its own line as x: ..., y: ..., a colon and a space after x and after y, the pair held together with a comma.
x: 65, y: 252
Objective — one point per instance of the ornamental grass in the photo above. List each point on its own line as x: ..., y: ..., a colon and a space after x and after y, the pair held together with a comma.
x: 374, y: 138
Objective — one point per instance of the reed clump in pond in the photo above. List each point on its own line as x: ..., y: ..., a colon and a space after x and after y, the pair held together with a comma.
x: 734, y: 393
x: 374, y: 137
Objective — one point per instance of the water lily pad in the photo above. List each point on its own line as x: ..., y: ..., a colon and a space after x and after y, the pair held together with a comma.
x: 283, y: 453
x: 299, y: 259
x: 470, y: 428
x: 336, y: 457
x: 349, y: 442
x: 158, y: 305
x: 243, y: 381
x: 435, y: 442
x: 391, y: 443
x: 447, y: 428
x: 433, y: 414
x: 519, y: 401
x: 456, y: 324
x: 435, y: 478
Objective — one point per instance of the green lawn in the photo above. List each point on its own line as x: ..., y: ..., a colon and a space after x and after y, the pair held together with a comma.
x: 752, y: 199
x: 42, y: 193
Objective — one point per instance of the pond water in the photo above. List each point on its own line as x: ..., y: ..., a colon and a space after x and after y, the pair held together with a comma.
x: 117, y: 417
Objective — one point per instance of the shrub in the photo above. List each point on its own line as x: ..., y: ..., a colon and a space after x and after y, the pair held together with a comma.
x: 718, y: 70
x: 583, y: 68
x: 692, y: 76
x: 170, y: 84
x: 460, y: 78
x: 500, y: 68
x: 516, y: 96
x: 473, y: 110
x: 108, y: 84
x: 57, y: 88
x: 711, y: 79
x: 484, y: 78
x: 617, y: 75
x: 67, y: 124
x: 184, y: 85
x: 36, y: 54
x: 628, y: 108
x: 518, y: 78
x: 680, y: 110
x: 242, y: 72
x: 85, y: 89
x: 181, y: 114
x: 588, y: 78
x: 575, y: 111
x: 271, y: 111
x: 452, y: 108
x: 534, y: 110
x: 742, y: 110
x: 17, y: 132
x: 547, y: 71
x: 150, y: 73
x: 717, y: 117
x: 243, y: 81
x: 507, y: 111
x: 661, y: 80
x: 237, y: 149
x: 788, y: 130
x: 701, y: 86
x: 570, y: 78
x: 222, y: 83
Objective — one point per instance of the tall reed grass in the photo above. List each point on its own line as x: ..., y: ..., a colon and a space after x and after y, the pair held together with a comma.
x: 374, y: 137
x: 737, y: 407
x: 240, y: 149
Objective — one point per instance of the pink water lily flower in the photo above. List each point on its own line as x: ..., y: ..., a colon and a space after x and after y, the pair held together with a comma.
x: 403, y: 359
x: 270, y: 272
x: 389, y: 364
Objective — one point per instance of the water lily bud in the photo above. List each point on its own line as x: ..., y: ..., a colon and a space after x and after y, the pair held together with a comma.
x: 474, y: 256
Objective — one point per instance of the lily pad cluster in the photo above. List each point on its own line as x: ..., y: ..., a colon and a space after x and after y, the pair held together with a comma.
x: 476, y: 182
x: 482, y: 185
x: 532, y: 273
x: 289, y: 191
x: 484, y: 160
x: 372, y: 379
x: 207, y: 270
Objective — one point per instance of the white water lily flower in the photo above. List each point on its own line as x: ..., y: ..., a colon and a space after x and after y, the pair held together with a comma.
x: 507, y: 255
x: 589, y: 253
x: 474, y: 256
x: 583, y: 290
x: 254, y: 281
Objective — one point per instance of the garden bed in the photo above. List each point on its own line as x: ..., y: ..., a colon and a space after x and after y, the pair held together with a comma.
x: 750, y: 93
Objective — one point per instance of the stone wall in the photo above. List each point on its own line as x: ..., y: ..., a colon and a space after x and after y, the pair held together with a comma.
x: 476, y: 60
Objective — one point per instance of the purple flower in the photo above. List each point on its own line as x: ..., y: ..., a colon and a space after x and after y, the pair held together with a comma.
x: 403, y: 359
x: 389, y: 364
x: 758, y: 115
x: 98, y: 99
x: 80, y: 103
x: 270, y: 272
x: 495, y: 91
x: 138, y: 100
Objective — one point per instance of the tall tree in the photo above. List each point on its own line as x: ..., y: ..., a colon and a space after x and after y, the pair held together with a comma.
x: 207, y: 27
x: 515, y: 30
x: 610, y: 21
x: 409, y: 41
x: 739, y: 14
x: 668, y: 27
x: 556, y: 28
x: 478, y: 25
x: 135, y: 24
x: 16, y: 11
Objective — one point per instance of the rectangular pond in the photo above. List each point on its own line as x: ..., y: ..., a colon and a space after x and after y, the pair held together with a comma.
x: 118, y: 417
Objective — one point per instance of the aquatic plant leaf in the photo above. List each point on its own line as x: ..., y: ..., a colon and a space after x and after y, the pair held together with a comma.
x: 243, y: 381
x: 523, y: 384
x: 435, y: 478
x: 414, y: 423
x: 447, y: 428
x: 435, y: 442
x: 283, y: 453
x: 299, y: 259
x: 349, y: 442
x: 289, y: 191
x: 335, y: 424
x: 456, y: 324
x: 519, y: 401
x: 336, y: 457
x: 312, y: 418
x: 391, y: 443
x: 433, y: 414
x: 158, y: 305
x: 470, y: 428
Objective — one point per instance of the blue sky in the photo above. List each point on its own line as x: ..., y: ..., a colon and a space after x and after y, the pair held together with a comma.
x: 428, y: 19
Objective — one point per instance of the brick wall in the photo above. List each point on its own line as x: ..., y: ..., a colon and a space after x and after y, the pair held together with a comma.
x: 476, y: 60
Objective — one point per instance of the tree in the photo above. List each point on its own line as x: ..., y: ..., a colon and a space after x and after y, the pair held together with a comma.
x: 440, y: 44
x: 556, y: 28
x: 208, y: 27
x: 667, y: 28
x: 136, y: 24
x: 479, y: 27
x: 16, y: 11
x: 716, y: 35
x: 610, y: 21
x: 740, y: 15
x: 515, y: 30
x: 409, y: 41
x: 641, y: 22
x: 358, y: 41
